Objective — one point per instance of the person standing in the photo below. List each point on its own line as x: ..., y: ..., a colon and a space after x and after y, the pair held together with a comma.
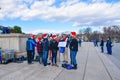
x: 74, y: 49
x: 62, y: 50
x: 102, y: 45
x: 54, y: 48
x: 29, y: 48
x: 65, y: 55
x: 95, y: 43
x: 0, y: 55
x: 33, y: 53
x: 40, y: 49
x: 109, y: 46
x: 46, y: 47
x: 80, y: 41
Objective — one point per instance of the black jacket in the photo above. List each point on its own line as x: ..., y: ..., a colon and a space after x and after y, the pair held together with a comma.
x: 102, y: 43
x: 74, y: 45
x: 53, y: 44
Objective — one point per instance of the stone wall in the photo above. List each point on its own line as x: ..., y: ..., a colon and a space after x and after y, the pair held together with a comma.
x: 13, y: 41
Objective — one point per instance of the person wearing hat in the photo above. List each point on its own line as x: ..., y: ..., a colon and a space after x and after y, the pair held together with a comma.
x: 74, y: 49
x: 33, y: 53
x: 30, y: 44
x: 54, y: 48
x: 39, y: 49
x: 46, y: 47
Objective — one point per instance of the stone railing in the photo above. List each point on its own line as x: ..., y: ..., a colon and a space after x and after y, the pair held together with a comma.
x: 13, y: 41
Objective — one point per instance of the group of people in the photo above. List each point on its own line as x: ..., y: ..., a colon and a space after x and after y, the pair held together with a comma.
x: 49, y: 46
x: 109, y: 45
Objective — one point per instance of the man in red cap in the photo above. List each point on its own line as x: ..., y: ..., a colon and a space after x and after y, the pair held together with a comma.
x: 46, y: 47
x: 39, y: 49
x: 54, y: 48
x: 74, y: 49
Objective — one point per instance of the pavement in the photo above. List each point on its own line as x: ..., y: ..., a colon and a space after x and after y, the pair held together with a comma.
x: 92, y: 65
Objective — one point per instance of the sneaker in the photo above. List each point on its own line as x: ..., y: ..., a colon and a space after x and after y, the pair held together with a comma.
x: 52, y: 64
x: 56, y: 65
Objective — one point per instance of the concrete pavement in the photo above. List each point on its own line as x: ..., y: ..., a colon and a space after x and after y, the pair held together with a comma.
x: 92, y: 65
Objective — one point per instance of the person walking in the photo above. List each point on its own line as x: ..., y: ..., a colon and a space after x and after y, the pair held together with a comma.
x: 74, y: 49
x: 102, y: 45
x: 40, y: 49
x: 46, y: 47
x: 30, y: 44
x: 54, y: 48
x: 109, y: 46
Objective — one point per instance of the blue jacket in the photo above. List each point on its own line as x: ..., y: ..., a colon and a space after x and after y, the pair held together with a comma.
x: 109, y: 43
x: 30, y: 44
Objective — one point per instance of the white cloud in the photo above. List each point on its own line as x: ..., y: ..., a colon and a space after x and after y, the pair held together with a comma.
x: 80, y: 13
x: 76, y: 24
x: 44, y: 31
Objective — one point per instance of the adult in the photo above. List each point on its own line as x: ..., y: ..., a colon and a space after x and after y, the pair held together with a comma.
x: 54, y: 48
x: 109, y: 46
x: 46, y: 47
x: 33, y: 53
x: 40, y: 49
x: 80, y: 41
x: 29, y: 48
x: 74, y: 49
x: 102, y: 45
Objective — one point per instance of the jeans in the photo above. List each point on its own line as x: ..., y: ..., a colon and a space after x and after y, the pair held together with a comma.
x: 102, y: 49
x: 45, y: 57
x: 54, y: 56
x: 73, y: 54
x: 109, y: 50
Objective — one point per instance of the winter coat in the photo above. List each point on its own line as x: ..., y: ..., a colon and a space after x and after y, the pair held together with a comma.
x: 74, y: 45
x: 102, y: 43
x: 109, y: 43
x: 53, y: 44
x: 39, y: 47
x: 30, y: 44
x: 46, y: 44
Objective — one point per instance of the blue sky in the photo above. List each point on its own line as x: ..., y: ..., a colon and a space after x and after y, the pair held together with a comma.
x: 35, y: 16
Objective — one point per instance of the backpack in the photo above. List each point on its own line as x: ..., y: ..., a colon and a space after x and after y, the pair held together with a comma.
x: 67, y: 66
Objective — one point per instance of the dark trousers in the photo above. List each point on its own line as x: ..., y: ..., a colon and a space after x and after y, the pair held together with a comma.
x: 54, y: 56
x: 29, y: 55
x: 102, y: 49
x: 40, y: 57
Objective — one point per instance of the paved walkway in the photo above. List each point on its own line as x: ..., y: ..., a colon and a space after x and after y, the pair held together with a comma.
x: 92, y: 65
